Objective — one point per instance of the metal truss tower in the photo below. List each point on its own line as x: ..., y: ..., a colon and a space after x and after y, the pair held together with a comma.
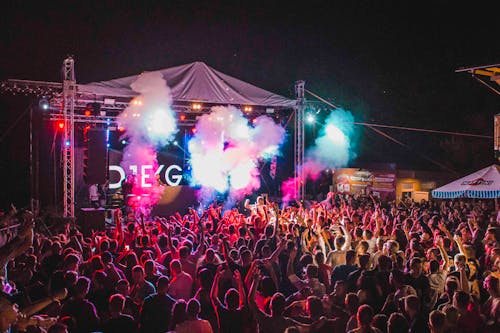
x: 300, y: 186
x: 68, y: 143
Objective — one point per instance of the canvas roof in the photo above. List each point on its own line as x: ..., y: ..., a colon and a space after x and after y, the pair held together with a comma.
x: 195, y: 82
x: 484, y: 183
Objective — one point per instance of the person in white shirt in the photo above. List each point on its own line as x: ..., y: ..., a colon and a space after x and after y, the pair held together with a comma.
x: 181, y: 284
x: 193, y: 324
x: 94, y: 196
x: 342, y: 244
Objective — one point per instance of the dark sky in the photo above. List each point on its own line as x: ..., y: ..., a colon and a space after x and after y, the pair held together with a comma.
x: 389, y: 62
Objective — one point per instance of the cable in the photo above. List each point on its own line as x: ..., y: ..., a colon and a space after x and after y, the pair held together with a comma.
x: 425, y: 130
x: 321, y: 99
x: 485, y: 84
x: 402, y: 127
x: 387, y: 136
x: 410, y: 148
x: 11, y: 127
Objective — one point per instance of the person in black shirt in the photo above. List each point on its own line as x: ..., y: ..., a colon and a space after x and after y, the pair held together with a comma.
x: 157, y: 309
x: 340, y: 272
x: 416, y: 318
x: 118, y: 322
x: 233, y: 314
x: 419, y: 281
x: 352, y: 277
x: 80, y: 309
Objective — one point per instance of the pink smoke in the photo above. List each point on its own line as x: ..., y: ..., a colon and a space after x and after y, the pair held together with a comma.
x: 226, y: 150
x: 312, y: 170
x: 149, y: 122
x: 140, y: 160
x: 331, y: 149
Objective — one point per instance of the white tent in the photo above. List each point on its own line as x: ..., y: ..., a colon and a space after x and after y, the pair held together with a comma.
x: 196, y: 82
x: 484, y: 183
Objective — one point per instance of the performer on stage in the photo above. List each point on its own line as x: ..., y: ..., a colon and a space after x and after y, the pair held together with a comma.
x: 94, y: 196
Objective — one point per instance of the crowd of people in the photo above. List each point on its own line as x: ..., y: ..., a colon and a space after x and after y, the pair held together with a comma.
x: 344, y: 264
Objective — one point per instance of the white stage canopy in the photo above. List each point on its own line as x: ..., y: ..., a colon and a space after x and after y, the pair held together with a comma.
x: 484, y: 184
x: 196, y: 82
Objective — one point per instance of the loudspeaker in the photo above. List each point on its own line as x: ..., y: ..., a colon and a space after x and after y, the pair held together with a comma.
x: 92, y: 219
x: 95, y: 157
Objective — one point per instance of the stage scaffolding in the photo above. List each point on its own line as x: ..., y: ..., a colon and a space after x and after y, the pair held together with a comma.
x: 68, y: 106
x: 67, y: 101
x: 299, y: 151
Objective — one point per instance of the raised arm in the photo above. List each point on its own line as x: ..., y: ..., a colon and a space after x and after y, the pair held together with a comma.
x: 444, y: 254
x: 321, y: 240
x: 348, y: 238
x: 460, y: 245
x: 214, y: 292
x: 241, y: 288
x: 251, y: 295
x: 118, y: 234
x: 225, y: 252
x: 170, y: 244
x: 40, y: 305
x: 378, y: 224
x: 274, y: 256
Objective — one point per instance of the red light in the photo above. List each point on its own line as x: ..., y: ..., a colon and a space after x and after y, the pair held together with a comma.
x: 193, y: 130
x: 60, y: 125
x: 87, y: 112
x: 121, y: 129
x: 182, y: 117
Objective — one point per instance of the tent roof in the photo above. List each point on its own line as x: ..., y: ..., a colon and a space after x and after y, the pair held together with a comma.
x: 195, y: 82
x: 484, y: 183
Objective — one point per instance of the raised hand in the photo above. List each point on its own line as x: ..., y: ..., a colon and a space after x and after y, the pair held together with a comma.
x: 237, y: 276
x: 220, y: 270
x: 60, y: 294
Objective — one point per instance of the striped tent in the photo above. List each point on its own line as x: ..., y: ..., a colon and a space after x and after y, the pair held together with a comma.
x: 484, y: 184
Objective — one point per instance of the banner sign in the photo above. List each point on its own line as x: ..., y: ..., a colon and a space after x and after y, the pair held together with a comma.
x: 364, y: 182
x: 170, y: 171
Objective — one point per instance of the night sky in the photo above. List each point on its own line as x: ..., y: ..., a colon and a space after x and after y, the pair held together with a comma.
x: 389, y: 62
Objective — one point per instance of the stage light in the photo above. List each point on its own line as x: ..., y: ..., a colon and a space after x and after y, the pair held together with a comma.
x: 88, y: 110
x: 137, y: 102
x: 175, y: 143
x: 193, y: 130
x: 43, y: 104
x: 335, y: 135
x: 60, y: 125
x: 310, y: 118
x: 247, y: 108
x: 182, y: 117
x: 124, y: 142
x: 196, y: 106
x: 67, y: 143
x: 121, y: 129
x: 109, y: 101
